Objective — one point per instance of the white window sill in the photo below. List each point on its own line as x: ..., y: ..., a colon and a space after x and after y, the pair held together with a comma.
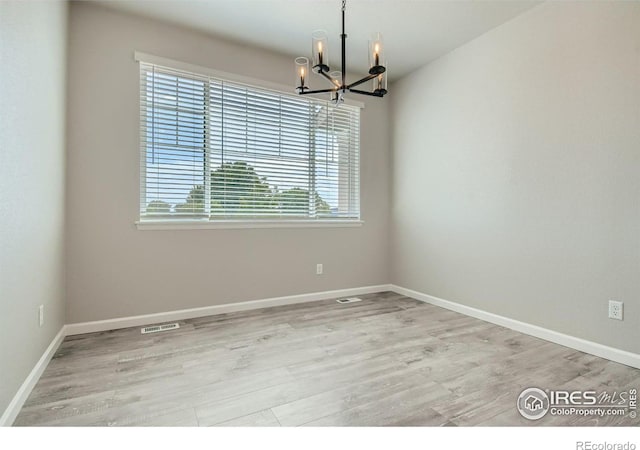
x: 231, y: 224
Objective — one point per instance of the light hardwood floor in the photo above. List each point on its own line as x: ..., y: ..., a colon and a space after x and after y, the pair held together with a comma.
x: 388, y: 360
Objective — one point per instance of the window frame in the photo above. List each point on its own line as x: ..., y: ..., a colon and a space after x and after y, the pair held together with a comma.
x: 207, y: 222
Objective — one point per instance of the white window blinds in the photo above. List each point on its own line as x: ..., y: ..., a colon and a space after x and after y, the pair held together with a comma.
x: 213, y: 149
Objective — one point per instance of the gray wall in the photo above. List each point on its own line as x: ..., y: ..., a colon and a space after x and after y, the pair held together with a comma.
x: 115, y: 270
x: 516, y: 180
x: 32, y: 152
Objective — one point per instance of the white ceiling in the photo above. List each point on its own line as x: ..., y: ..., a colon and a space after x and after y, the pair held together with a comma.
x: 415, y: 32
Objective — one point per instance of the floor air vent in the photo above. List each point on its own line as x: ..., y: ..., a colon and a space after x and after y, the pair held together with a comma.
x: 159, y: 328
x: 349, y: 300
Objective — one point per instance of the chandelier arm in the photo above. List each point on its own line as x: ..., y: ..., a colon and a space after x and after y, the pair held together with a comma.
x: 317, y: 91
x: 372, y: 94
x: 364, y: 80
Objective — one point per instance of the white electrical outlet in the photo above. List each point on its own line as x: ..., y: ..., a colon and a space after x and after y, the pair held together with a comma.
x: 318, y: 269
x: 616, y: 310
x: 41, y: 315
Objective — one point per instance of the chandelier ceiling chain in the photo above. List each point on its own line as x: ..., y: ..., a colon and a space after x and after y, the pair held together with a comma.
x: 338, y: 79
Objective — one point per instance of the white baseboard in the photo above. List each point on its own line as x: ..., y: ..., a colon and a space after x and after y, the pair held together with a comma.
x: 23, y: 393
x: 593, y: 348
x: 147, y: 319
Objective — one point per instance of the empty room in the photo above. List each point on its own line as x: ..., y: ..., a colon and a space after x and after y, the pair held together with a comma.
x: 321, y: 213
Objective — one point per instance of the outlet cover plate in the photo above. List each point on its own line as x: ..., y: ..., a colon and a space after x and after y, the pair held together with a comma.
x: 616, y: 310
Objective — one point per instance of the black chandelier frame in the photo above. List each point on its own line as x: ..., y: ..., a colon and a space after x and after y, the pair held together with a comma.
x: 340, y: 86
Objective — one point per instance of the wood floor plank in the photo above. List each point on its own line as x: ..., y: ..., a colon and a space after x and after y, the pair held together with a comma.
x: 185, y: 391
x: 264, y: 418
x: 347, y: 396
x: 477, y: 407
x: 63, y: 409
x: 390, y: 410
x: 129, y: 415
x: 212, y: 413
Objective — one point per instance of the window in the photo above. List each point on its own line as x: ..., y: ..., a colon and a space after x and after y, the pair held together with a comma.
x: 217, y: 150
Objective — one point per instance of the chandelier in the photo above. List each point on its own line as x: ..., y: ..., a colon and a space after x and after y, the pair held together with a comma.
x: 337, y: 79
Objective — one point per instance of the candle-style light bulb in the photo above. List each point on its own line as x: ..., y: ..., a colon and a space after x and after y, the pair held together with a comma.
x: 301, y: 71
x: 376, y: 54
x: 319, y: 51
